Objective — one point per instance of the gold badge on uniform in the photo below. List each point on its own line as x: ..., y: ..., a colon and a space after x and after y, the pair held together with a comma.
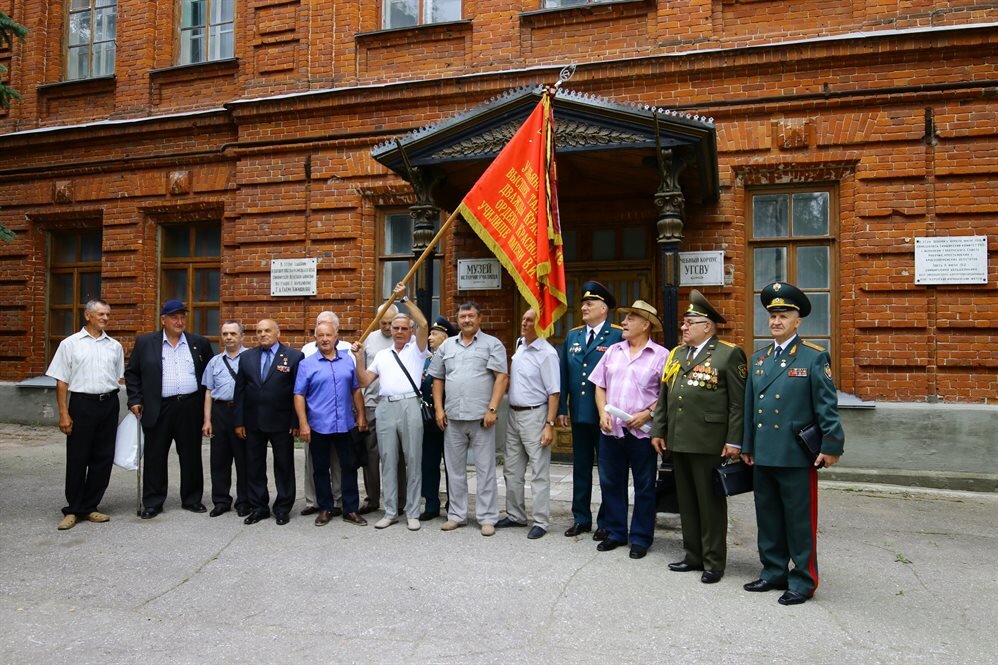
x: 742, y: 371
x: 828, y: 370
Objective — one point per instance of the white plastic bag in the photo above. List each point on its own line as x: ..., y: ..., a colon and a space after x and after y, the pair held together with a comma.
x: 127, y: 442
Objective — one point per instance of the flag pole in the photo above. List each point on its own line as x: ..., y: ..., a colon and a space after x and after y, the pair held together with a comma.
x: 409, y: 275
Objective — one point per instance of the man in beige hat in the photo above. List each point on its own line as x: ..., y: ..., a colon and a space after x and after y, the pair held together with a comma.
x: 627, y: 378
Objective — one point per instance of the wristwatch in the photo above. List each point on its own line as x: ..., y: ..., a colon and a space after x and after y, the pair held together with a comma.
x: 549, y: 423
x: 404, y: 299
x: 492, y: 409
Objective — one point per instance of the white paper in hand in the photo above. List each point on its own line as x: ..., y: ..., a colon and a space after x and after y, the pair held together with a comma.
x: 623, y: 415
x: 127, y: 442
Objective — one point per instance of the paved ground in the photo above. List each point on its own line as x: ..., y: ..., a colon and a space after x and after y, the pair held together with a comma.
x: 907, y: 577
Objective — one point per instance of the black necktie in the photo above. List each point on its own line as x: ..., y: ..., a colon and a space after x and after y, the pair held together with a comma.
x: 592, y: 334
x: 779, y: 350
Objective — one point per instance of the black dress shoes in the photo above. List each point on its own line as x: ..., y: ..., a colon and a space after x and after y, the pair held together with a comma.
x: 535, y: 532
x: 609, y: 544
x: 636, y: 552
x: 256, y: 516
x: 683, y: 567
x: 309, y: 510
x: 196, y: 508
x: 711, y: 576
x: 426, y: 516
x: 243, y: 512
x: 506, y: 523
x: 366, y: 508
x: 792, y: 598
x: 578, y: 529
x: 600, y: 534
x: 282, y: 519
x: 218, y: 510
x: 336, y: 511
x: 764, y: 585
x: 149, y: 513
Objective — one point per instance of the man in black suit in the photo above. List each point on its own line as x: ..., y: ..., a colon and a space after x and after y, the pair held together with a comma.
x: 264, y: 411
x: 163, y: 379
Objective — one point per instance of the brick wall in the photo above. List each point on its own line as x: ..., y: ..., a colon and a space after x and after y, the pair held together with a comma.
x: 852, y: 111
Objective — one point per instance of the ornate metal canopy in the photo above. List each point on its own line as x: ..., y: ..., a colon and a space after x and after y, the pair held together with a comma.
x: 598, y: 140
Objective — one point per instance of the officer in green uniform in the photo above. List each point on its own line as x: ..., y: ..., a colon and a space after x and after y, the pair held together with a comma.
x: 789, y: 387
x: 700, y: 422
x: 582, y: 349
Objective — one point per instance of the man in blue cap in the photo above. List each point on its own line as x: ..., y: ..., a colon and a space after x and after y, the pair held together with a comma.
x: 582, y: 349
x: 789, y: 387
x: 163, y: 379
x: 433, y: 437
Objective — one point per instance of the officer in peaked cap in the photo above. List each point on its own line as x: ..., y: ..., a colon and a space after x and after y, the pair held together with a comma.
x: 582, y: 349
x: 700, y: 423
x: 433, y: 438
x: 789, y: 386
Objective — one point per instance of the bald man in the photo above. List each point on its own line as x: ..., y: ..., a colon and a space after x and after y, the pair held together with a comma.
x: 264, y: 413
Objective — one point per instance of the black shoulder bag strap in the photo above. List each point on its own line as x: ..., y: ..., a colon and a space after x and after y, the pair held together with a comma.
x: 419, y: 393
x: 225, y: 359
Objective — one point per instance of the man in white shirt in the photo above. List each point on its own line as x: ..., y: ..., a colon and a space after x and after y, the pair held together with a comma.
x: 398, y: 417
x: 377, y: 341
x: 534, y: 387
x: 311, y: 505
x: 87, y: 368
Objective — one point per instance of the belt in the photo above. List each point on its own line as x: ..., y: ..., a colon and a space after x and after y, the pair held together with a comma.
x: 526, y: 408
x: 398, y: 398
x: 96, y: 398
x: 179, y: 398
x: 224, y: 402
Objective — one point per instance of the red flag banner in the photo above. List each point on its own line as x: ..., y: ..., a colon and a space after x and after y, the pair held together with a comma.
x: 514, y: 210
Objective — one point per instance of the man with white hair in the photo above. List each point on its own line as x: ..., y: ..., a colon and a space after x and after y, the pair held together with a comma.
x: 372, y: 470
x: 398, y: 415
x: 311, y: 504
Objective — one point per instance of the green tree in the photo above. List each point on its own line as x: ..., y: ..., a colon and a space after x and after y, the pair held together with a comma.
x: 9, y: 30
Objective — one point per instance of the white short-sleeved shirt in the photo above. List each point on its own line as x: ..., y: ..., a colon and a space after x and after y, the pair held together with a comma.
x: 87, y: 364
x: 391, y: 378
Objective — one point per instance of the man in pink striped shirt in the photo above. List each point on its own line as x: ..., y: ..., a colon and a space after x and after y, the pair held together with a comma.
x: 628, y: 378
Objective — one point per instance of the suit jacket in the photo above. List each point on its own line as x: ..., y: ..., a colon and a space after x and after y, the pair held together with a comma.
x: 702, y: 401
x: 782, y: 397
x: 578, y: 360
x: 267, y: 404
x: 144, y: 374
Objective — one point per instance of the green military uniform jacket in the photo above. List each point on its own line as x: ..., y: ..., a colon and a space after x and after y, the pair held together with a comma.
x: 784, y: 395
x: 703, y: 399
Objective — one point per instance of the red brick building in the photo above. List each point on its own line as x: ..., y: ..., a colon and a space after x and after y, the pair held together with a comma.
x: 175, y: 148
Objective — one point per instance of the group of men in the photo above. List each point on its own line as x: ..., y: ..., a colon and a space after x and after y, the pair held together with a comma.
x: 395, y: 404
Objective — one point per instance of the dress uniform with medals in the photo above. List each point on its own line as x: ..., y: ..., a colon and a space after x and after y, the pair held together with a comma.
x: 789, y: 387
x: 699, y: 412
x: 580, y: 353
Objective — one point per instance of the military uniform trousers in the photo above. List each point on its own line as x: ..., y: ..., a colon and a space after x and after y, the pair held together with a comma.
x: 180, y: 420
x: 400, y: 429
x: 89, y: 451
x: 786, y: 510
x: 704, y: 514
x: 459, y: 436
x: 227, y: 448
x: 616, y: 456
x: 335, y: 476
x: 433, y: 456
x: 283, y: 446
x: 585, y: 451
x: 523, y: 447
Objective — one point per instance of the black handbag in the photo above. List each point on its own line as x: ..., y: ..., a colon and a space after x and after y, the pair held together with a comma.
x: 809, y: 439
x: 358, y: 448
x: 429, y: 416
x: 732, y: 478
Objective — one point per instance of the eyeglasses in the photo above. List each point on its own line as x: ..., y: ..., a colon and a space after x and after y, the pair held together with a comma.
x: 690, y: 324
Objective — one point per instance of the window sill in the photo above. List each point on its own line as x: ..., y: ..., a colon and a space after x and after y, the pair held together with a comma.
x: 197, y: 70
x: 406, y: 34
x: 585, y: 13
x: 87, y: 86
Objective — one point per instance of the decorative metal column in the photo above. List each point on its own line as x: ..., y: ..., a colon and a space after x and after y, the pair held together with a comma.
x: 424, y: 215
x: 671, y: 213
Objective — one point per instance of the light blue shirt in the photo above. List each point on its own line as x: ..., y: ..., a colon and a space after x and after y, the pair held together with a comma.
x: 328, y: 387
x: 217, y: 378
x: 179, y: 377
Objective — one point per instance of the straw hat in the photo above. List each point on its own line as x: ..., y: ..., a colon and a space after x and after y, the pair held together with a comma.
x: 645, y: 311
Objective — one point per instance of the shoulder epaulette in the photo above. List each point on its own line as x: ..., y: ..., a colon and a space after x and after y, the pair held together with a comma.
x: 811, y: 345
x: 577, y: 328
x: 728, y: 344
x: 614, y: 325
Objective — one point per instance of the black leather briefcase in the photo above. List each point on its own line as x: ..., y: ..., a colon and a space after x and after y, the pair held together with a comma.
x: 809, y: 439
x: 732, y: 478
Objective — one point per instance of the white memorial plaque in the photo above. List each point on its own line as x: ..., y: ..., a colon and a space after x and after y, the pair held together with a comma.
x: 293, y: 277
x: 701, y: 268
x: 478, y: 274
x: 951, y: 260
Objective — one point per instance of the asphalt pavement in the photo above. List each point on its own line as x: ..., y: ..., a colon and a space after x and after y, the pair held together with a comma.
x: 906, y: 576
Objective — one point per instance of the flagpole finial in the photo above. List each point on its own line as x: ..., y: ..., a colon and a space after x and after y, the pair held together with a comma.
x: 565, y: 74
